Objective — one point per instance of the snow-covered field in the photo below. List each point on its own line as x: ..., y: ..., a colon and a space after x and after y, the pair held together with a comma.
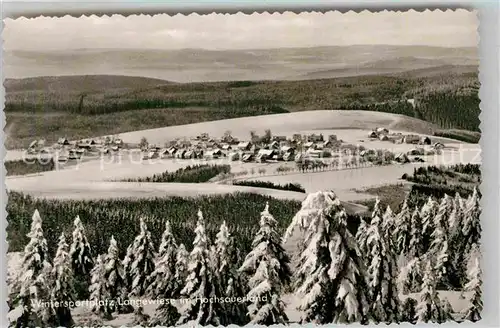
x: 284, y: 124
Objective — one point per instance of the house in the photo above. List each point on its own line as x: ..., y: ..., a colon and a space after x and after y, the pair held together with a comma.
x: 171, y: 151
x: 118, y: 142
x: 288, y: 156
x: 381, y: 131
x: 416, y: 151
x: 244, y: 145
x: 287, y: 149
x: 315, y: 137
x: 425, y: 141
x: 63, y: 141
x: 299, y: 157
x: 279, y: 138
x: 438, y: 145
x: 402, y: 158
x: 247, y: 157
x: 309, y: 144
x: 411, y: 139
x: 215, y: 153
x: 383, y: 137
x: 314, y: 153
x: 180, y: 154
x: 332, y: 137
x: 327, y: 143
x: 189, y: 154
x: 265, y: 154
x: 226, y: 147
x: 234, y: 156
x: 373, y: 134
x: 274, y: 145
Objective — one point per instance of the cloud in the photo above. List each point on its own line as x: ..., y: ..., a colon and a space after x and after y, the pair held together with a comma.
x: 240, y: 31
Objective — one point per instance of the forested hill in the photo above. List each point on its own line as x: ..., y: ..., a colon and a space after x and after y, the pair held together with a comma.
x: 448, y: 99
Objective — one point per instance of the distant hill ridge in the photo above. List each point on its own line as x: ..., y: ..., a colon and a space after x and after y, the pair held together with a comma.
x: 80, y: 83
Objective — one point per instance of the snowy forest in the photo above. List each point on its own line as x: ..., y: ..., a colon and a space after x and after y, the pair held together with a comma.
x: 389, y: 271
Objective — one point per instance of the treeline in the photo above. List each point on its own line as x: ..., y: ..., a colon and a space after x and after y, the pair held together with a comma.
x: 116, y: 217
x: 439, y: 241
x: 270, y: 185
x: 461, y: 135
x: 22, y: 167
x: 189, y: 174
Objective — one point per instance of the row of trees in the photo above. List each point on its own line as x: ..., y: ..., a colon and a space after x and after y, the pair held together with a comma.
x: 341, y: 277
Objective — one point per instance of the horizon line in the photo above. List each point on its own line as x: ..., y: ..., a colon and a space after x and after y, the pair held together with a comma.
x: 246, y: 49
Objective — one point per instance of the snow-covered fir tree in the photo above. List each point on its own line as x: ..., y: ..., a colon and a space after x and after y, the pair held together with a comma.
x: 229, y: 278
x: 33, y: 280
x: 410, y: 277
x: 114, y: 276
x: 268, y: 266
x: 388, y: 225
x: 415, y: 247
x: 80, y: 251
x: 439, y: 251
x: 473, y: 311
x: 430, y: 308
x: 331, y: 274
x: 181, y: 269
x: 382, y: 272
x: 443, y: 213
x: 81, y: 259
x: 427, y: 214
x: 455, y: 219
x: 162, y: 280
x: 268, y: 308
x: 98, y: 290
x: 408, y: 310
x: 471, y: 229
x: 268, y: 240
x: 402, y: 230
x: 140, y: 261
x: 62, y: 290
x: 200, y: 285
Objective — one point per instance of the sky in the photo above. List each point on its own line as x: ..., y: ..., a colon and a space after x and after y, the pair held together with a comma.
x: 239, y: 31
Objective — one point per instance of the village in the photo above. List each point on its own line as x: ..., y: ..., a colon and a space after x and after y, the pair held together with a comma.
x: 306, y: 150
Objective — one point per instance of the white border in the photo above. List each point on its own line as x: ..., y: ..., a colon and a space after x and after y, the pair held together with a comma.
x: 489, y: 31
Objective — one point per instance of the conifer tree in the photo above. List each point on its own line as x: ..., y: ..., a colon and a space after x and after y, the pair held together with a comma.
x: 229, y: 277
x: 268, y: 264
x: 416, y: 248
x: 382, y: 272
x: 142, y: 263
x: 427, y: 214
x: 80, y: 252
x: 442, y: 218
x: 402, y: 230
x: 410, y: 277
x: 81, y: 259
x: 388, y: 225
x: 408, y: 310
x: 98, y: 290
x: 268, y: 240
x: 455, y: 219
x: 162, y: 280
x: 200, y: 285
x: 440, y: 252
x: 114, y: 276
x: 62, y: 290
x: 181, y: 269
x: 471, y: 229
x: 331, y: 273
x: 430, y: 308
x: 473, y: 311
x: 33, y: 280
